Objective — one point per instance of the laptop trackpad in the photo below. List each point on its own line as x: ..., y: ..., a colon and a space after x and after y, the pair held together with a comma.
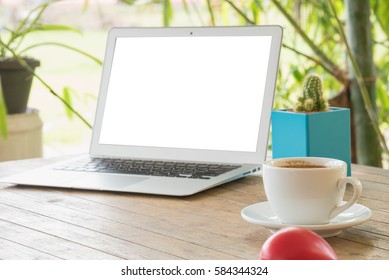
x: 105, y: 181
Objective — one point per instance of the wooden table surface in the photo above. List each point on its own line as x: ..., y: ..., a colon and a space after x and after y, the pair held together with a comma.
x: 48, y: 223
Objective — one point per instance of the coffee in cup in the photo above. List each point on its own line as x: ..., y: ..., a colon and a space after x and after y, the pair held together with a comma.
x: 308, y: 190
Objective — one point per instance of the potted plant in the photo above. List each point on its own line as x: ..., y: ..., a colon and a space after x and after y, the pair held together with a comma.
x: 312, y: 128
x: 17, y: 71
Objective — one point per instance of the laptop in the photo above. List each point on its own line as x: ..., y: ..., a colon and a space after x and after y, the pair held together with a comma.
x: 180, y: 110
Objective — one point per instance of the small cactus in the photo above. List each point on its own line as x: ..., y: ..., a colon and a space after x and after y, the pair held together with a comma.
x: 312, y: 99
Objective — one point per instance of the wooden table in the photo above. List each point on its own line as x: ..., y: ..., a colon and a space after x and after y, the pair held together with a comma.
x: 48, y: 223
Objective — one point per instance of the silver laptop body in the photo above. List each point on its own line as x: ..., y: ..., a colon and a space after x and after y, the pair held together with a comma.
x: 193, y: 96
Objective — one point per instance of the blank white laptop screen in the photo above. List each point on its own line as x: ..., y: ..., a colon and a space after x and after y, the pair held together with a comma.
x: 204, y: 93
x: 190, y: 95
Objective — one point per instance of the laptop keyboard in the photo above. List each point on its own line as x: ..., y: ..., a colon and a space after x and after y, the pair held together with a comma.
x: 149, y: 168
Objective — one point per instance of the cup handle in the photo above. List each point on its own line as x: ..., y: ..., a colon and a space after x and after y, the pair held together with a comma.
x: 357, y: 193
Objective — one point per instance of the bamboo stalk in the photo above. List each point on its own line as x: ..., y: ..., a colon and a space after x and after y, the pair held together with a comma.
x: 364, y: 93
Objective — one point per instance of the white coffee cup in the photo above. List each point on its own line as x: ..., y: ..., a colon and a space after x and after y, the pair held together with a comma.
x: 304, y: 195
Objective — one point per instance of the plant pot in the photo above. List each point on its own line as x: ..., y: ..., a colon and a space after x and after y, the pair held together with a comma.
x: 24, y: 136
x: 16, y: 83
x: 318, y: 134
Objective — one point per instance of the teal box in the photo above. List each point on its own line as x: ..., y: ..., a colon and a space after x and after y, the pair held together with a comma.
x: 318, y: 134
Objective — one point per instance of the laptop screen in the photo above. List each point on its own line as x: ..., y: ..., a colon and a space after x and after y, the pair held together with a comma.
x: 187, y: 93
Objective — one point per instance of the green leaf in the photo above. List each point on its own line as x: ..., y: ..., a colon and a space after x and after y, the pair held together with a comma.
x: 254, y: 6
x: 66, y: 95
x: 167, y: 12
x: 382, y: 102
x: 382, y: 95
x: 297, y: 74
x: 26, y: 23
x: 3, y: 115
x: 98, y: 61
x: 129, y: 2
x: 210, y: 11
x: 29, y: 23
x: 55, y: 28
x: 382, y: 9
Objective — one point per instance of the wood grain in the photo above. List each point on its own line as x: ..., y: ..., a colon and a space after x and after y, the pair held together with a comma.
x: 49, y: 223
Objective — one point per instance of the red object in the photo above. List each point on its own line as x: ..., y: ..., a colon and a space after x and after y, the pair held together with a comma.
x: 296, y: 243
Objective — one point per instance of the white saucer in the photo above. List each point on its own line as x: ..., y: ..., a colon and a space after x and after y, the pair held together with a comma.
x: 262, y: 214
